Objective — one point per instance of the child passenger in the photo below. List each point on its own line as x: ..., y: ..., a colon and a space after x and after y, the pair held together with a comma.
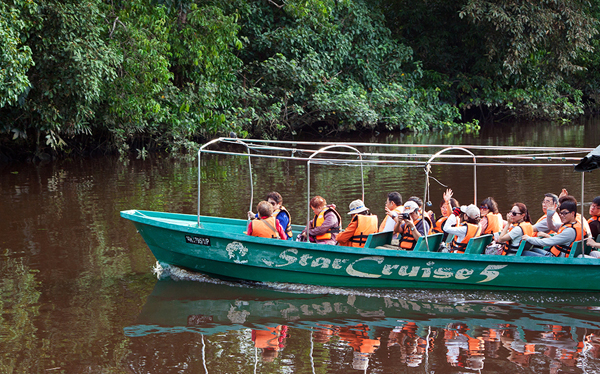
x: 265, y: 226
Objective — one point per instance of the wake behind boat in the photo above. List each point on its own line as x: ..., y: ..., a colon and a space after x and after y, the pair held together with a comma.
x: 220, y: 246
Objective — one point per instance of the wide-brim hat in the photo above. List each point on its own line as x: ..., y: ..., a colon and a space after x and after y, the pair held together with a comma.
x: 357, y: 206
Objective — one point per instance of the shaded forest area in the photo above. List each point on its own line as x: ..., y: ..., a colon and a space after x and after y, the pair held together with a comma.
x: 117, y: 76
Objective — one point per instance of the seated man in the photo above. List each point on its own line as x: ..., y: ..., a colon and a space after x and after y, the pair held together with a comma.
x: 410, y: 226
x: 362, y: 224
x: 265, y: 226
x: 594, y: 222
x: 280, y: 213
x: 540, y: 228
x: 465, y: 229
x: 551, y: 214
x: 393, y: 207
x: 561, y: 243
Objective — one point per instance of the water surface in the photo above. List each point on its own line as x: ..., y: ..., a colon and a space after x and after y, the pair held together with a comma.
x: 78, y: 293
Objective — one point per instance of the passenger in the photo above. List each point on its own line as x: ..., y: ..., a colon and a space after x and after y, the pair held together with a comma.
x: 393, y: 207
x: 467, y: 228
x: 362, y: 224
x: 561, y: 243
x: 491, y: 220
x: 265, y: 226
x: 540, y: 228
x: 563, y: 197
x: 594, y: 221
x: 325, y: 226
x: 446, y: 206
x: 420, y: 204
x: 410, y: 226
x: 281, y: 214
x: 512, y: 234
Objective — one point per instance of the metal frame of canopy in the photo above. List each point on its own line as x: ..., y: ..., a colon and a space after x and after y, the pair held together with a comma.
x: 290, y: 150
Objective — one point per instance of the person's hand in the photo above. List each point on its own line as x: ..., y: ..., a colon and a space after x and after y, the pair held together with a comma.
x: 591, y: 242
x: 543, y: 235
x: 508, y: 215
x: 525, y: 237
x: 447, y: 195
x: 390, y: 213
x: 564, y: 192
x: 250, y: 215
x: 456, y: 211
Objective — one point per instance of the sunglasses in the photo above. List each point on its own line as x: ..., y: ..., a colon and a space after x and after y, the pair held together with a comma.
x: 484, y: 207
x: 515, y: 213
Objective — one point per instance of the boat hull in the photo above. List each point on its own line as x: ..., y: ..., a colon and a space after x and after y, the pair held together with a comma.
x: 219, y: 247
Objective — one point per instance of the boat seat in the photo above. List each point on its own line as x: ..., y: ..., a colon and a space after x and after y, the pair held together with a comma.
x: 379, y: 239
x: 477, y: 245
x: 434, y: 241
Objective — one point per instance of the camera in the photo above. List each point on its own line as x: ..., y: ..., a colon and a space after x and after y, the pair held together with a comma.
x: 405, y: 216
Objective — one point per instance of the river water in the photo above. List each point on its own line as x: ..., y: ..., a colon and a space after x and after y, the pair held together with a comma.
x: 78, y: 293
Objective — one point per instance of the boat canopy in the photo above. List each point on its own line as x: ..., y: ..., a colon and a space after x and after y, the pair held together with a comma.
x: 387, y: 155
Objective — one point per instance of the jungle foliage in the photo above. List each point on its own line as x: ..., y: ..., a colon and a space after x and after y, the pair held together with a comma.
x: 164, y: 73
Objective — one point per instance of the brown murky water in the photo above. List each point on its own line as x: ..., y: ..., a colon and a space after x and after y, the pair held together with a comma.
x: 78, y: 295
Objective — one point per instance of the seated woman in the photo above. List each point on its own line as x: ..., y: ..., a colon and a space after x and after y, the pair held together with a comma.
x: 362, y: 224
x: 325, y: 226
x: 491, y: 220
x: 265, y: 226
x: 512, y: 234
x: 467, y: 228
x: 448, y: 203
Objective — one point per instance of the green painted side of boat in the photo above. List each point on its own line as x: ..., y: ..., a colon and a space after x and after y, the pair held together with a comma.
x: 219, y: 247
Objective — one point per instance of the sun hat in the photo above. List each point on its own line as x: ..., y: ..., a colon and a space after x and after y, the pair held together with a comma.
x: 471, y: 211
x: 357, y: 206
x: 410, y: 206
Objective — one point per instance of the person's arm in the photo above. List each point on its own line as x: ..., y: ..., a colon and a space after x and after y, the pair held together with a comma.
x: 592, y: 243
x: 552, y: 226
x: 343, y: 238
x: 483, y: 224
x: 416, y: 231
x: 504, y: 234
x: 451, y: 229
x: 249, y: 229
x: 567, y: 236
x: 329, y: 222
x: 280, y: 231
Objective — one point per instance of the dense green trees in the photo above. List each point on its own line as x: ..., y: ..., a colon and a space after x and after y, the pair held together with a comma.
x: 167, y: 72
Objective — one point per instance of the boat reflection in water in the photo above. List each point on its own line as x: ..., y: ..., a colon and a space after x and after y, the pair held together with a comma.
x: 283, y: 328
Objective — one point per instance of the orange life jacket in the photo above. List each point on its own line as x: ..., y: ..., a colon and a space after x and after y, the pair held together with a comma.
x: 260, y: 228
x: 594, y: 218
x: 288, y: 229
x: 439, y: 224
x: 494, y: 223
x: 408, y: 241
x: 320, y: 218
x: 473, y: 231
x: 566, y: 249
x: 398, y: 211
x: 366, y: 225
x: 527, y: 228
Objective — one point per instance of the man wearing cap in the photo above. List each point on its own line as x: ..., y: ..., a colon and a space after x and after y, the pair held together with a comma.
x: 465, y: 229
x: 410, y: 225
x: 362, y: 224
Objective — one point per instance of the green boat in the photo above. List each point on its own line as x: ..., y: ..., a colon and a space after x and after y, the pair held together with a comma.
x: 219, y: 246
